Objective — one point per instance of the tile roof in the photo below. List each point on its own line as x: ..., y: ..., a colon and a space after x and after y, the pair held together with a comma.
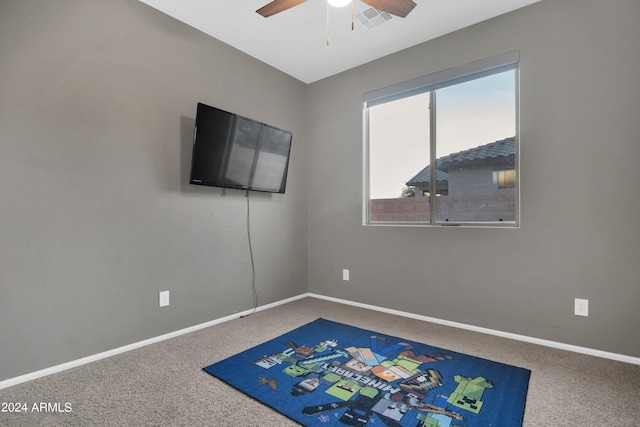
x: 502, y: 150
x: 424, y: 177
x: 494, y: 150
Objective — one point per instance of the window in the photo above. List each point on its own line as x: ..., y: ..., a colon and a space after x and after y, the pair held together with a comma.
x: 506, y: 178
x: 443, y: 149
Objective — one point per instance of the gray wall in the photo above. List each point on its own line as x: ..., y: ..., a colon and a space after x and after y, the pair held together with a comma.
x: 580, y: 233
x: 97, y: 108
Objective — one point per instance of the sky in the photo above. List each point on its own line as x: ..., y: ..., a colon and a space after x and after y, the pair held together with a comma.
x: 468, y: 115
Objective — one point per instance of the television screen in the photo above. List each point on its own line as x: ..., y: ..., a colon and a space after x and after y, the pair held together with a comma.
x: 232, y: 151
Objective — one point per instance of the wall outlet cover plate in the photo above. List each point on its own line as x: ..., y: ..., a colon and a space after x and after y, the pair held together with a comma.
x: 163, y: 299
x: 581, y: 307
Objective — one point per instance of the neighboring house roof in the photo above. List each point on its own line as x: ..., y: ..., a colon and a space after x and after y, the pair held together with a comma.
x: 498, y: 152
x: 424, y: 177
x: 494, y: 152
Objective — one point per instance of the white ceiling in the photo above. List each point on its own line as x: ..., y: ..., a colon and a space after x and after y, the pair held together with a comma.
x: 294, y: 41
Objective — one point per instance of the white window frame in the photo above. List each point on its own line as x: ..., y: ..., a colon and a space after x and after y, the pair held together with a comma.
x: 508, y: 61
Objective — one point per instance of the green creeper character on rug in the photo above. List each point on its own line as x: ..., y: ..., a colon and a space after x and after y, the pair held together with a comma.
x: 344, y: 389
x: 468, y: 393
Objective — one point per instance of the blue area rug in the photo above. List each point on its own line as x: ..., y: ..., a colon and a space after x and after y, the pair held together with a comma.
x: 327, y: 373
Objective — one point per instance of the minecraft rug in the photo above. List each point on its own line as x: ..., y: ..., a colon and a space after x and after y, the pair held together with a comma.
x: 330, y: 374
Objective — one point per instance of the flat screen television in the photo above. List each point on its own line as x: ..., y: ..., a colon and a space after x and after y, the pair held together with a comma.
x: 232, y: 151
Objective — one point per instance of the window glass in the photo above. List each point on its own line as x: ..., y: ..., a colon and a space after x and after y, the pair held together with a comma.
x: 398, y: 143
x: 475, y: 123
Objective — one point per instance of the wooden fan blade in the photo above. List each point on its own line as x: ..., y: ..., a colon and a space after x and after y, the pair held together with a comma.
x: 277, y: 6
x: 399, y: 8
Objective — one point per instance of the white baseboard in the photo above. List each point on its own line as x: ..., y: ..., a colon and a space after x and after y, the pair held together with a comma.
x: 62, y: 367
x: 524, y: 338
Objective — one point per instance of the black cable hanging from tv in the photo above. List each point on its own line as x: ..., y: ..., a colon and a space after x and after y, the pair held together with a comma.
x: 253, y: 267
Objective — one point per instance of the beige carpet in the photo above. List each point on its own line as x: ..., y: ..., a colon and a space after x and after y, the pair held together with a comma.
x: 163, y: 384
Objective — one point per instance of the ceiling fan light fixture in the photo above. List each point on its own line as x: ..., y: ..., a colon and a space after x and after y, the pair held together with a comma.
x: 338, y: 3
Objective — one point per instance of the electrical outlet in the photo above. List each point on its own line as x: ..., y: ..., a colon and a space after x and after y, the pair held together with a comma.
x: 345, y: 275
x: 581, y: 307
x: 163, y: 299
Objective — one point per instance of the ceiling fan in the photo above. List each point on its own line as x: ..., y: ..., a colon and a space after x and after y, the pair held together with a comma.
x: 399, y: 8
